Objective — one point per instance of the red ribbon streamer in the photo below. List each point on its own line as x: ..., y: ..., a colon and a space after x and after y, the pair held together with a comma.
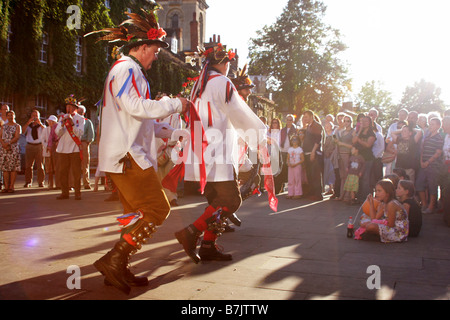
x: 171, y: 180
x: 269, y: 184
x: 69, y: 128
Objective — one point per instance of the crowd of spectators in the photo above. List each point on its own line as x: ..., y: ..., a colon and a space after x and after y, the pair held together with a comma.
x: 344, y: 156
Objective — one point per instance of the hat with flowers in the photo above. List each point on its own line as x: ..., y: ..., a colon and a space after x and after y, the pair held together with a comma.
x: 141, y: 28
x: 216, y: 54
x: 72, y: 100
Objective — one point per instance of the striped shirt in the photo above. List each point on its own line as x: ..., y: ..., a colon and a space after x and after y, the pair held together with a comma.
x: 430, y: 145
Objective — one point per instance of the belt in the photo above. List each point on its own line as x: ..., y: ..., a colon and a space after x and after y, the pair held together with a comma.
x: 34, y: 144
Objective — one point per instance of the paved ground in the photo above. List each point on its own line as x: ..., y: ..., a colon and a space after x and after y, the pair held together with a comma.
x: 301, y: 252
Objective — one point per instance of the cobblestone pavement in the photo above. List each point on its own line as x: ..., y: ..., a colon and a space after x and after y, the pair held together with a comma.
x: 299, y: 253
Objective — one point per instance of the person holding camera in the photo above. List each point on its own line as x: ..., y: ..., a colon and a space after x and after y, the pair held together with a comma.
x: 33, y: 150
x: 70, y: 128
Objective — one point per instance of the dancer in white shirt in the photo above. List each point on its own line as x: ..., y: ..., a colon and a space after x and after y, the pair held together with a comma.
x: 127, y: 149
x: 225, y: 117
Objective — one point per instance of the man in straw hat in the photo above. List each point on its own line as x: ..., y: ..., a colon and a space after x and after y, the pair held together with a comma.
x: 225, y: 116
x: 127, y: 151
x: 70, y: 128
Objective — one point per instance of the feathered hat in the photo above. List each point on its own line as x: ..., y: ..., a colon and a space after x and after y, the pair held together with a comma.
x: 72, y: 100
x: 208, y: 56
x: 242, y: 81
x: 216, y: 54
x: 213, y: 54
x: 139, y: 29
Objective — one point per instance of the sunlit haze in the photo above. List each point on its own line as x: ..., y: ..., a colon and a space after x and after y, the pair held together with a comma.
x: 395, y: 42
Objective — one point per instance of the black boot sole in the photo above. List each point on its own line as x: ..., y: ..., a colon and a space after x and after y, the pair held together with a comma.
x: 224, y: 257
x: 111, y: 277
x: 139, y: 283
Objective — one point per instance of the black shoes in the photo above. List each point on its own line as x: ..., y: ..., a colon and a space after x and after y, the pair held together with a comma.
x: 209, y: 251
x: 188, y: 239
x: 113, y: 266
x: 132, y: 280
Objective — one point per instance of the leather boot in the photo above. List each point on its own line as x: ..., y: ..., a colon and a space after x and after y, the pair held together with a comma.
x: 132, y: 280
x: 208, y: 252
x: 234, y: 218
x: 188, y: 237
x: 113, y: 265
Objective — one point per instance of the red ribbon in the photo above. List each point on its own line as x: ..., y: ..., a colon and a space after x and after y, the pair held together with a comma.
x: 69, y: 128
x: 174, y: 176
x: 193, y: 118
x: 171, y: 180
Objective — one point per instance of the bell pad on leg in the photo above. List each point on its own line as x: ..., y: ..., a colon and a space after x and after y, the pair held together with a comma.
x: 216, y: 223
x: 137, y: 231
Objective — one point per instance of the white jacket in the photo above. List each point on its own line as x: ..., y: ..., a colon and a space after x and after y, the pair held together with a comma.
x: 66, y: 143
x: 127, y: 118
x: 229, y: 121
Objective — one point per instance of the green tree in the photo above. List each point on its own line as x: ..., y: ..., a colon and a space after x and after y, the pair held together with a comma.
x: 371, y: 96
x: 300, y: 53
x: 422, y: 97
x: 23, y: 76
x: 6, y: 70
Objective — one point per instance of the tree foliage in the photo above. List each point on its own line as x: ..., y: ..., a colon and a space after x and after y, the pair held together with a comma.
x: 25, y: 77
x: 371, y: 96
x: 423, y: 97
x: 300, y: 53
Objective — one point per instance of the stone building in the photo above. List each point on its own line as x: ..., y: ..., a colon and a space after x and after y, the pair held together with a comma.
x: 184, y: 22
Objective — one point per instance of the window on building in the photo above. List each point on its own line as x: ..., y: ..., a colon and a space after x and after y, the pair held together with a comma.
x: 78, y: 55
x: 175, y: 21
x: 7, y: 99
x: 41, y: 103
x: 43, y: 57
x: 8, y: 39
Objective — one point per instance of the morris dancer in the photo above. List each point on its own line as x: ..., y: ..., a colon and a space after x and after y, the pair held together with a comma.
x: 249, y: 178
x: 127, y: 151
x: 70, y: 128
x: 222, y: 113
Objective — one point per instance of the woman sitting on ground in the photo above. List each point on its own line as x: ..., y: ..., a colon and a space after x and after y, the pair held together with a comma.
x: 395, y: 227
x: 365, y: 217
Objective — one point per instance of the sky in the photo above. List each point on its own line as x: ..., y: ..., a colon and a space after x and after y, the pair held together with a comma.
x: 394, y: 42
